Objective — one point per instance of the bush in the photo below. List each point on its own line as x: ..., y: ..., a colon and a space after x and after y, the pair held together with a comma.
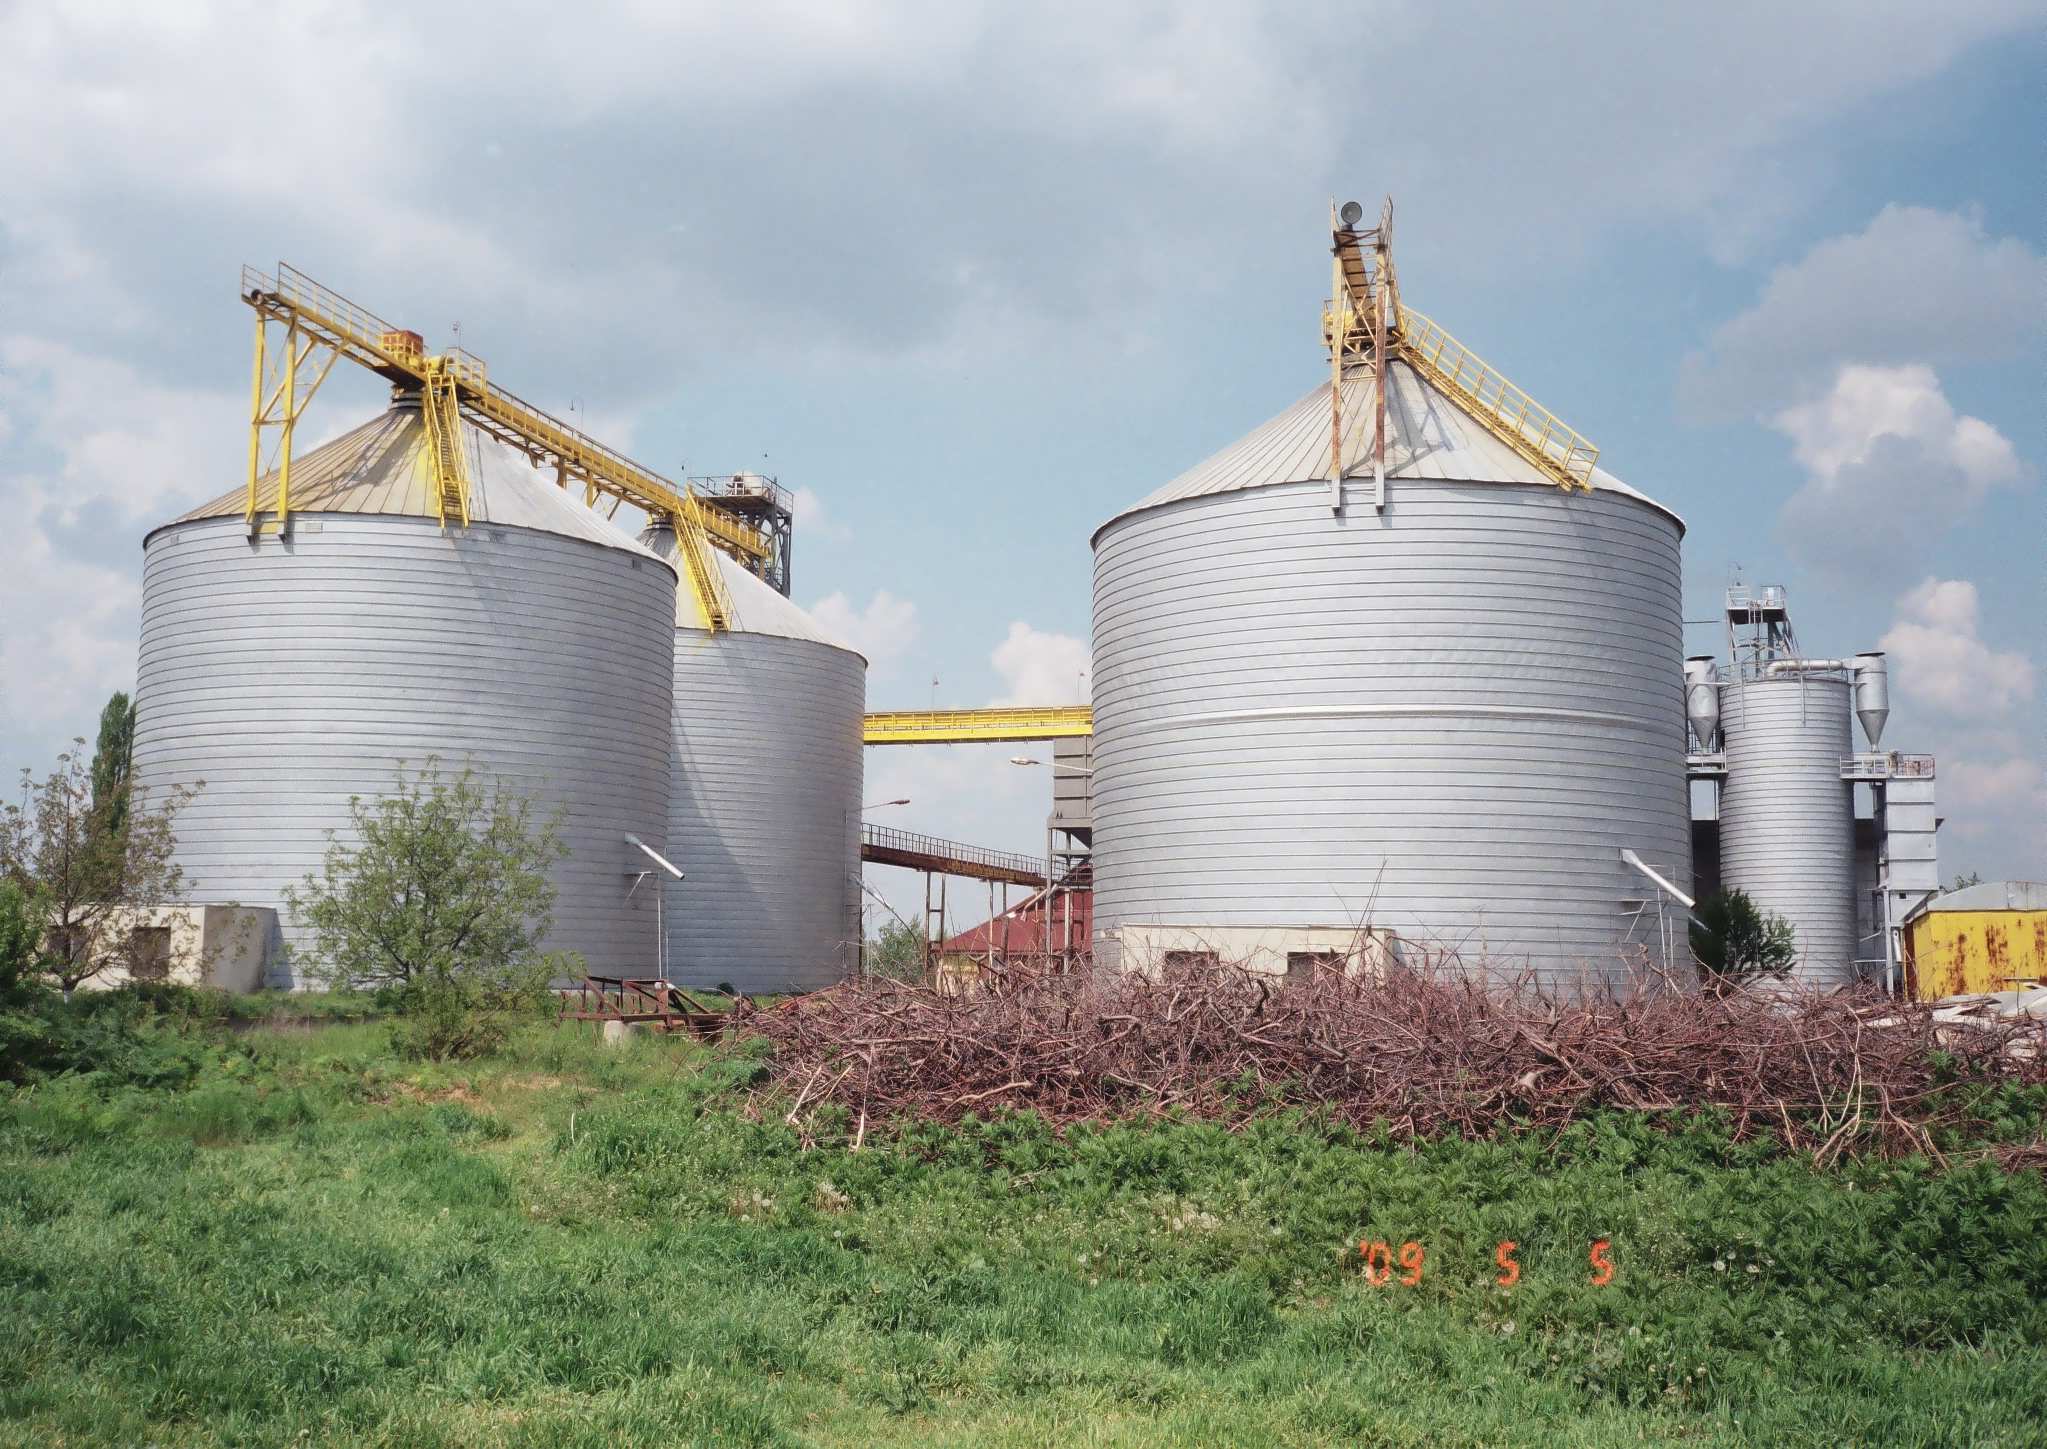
x: 118, y: 1037
x: 1735, y: 939
x: 456, y: 1018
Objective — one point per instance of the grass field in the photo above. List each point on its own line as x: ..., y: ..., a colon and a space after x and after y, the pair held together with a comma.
x: 311, y: 1241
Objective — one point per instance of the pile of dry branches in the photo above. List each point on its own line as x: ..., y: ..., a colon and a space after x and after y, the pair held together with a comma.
x: 1425, y: 1053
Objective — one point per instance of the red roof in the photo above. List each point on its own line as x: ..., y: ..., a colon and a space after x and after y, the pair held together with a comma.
x: 1020, y: 931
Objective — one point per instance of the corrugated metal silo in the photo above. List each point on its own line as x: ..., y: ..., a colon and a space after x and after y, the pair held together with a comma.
x: 1447, y: 718
x: 291, y: 673
x: 1787, y: 819
x: 764, y: 814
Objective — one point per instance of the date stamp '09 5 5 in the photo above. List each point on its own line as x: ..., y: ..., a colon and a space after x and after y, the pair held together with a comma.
x: 1405, y: 1266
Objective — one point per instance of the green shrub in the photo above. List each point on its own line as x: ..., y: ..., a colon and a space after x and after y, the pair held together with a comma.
x: 443, y: 1018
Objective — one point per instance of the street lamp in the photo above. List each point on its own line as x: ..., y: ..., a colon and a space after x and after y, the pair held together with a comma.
x: 884, y: 804
x: 1047, y: 765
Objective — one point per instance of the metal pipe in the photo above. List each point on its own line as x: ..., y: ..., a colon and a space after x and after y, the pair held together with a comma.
x: 1808, y: 666
x: 1643, y: 866
x: 1866, y: 672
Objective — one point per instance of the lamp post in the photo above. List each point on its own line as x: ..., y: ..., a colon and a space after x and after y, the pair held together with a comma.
x: 860, y: 946
x: 1051, y: 857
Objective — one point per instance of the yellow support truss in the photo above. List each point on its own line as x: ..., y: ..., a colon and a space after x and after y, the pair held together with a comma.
x: 1366, y: 320
x: 314, y: 317
x: 978, y: 726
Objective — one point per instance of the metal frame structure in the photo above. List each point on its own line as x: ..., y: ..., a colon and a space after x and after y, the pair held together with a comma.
x: 929, y: 853
x: 652, y: 1001
x: 761, y: 504
x: 455, y: 385
x: 1364, y: 308
x: 1365, y: 324
x: 978, y: 726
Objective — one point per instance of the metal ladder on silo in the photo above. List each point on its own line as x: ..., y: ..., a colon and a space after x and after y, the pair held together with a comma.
x: 438, y: 406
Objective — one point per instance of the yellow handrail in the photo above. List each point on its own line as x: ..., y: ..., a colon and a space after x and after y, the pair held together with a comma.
x: 327, y: 318
x: 1517, y: 419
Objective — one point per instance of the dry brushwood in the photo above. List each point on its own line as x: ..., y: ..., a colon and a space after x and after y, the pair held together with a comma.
x: 1426, y: 1053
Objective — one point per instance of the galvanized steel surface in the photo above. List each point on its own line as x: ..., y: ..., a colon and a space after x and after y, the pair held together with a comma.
x: 764, y: 817
x: 1428, y: 436
x: 1787, y: 819
x: 1448, y: 719
x: 290, y: 675
x: 381, y: 467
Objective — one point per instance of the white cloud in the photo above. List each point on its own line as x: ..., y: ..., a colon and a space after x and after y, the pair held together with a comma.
x: 884, y: 630
x: 91, y: 452
x: 1996, y: 808
x: 1915, y: 285
x: 1941, y: 660
x: 69, y: 636
x: 1889, y: 465
x: 815, y: 518
x: 1870, y: 404
x: 1040, y: 668
x: 1997, y: 784
x: 117, y: 436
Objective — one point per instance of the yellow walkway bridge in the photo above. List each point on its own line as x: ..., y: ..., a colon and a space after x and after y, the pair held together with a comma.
x: 978, y: 726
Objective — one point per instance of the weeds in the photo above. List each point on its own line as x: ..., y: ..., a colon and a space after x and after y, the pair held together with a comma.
x: 317, y: 1240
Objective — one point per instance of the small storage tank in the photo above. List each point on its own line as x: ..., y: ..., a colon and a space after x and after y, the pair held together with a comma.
x: 1447, y: 718
x: 1787, y: 818
x: 290, y: 673
x: 764, y: 813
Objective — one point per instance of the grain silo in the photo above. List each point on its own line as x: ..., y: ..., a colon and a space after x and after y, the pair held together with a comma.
x: 1787, y: 818
x: 1440, y: 695
x: 292, y: 671
x: 764, y: 809
x: 1787, y: 779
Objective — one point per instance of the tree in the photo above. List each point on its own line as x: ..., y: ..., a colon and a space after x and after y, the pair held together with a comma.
x: 898, y: 953
x: 112, y: 760
x: 1735, y: 939
x: 440, y: 902
x: 24, y: 1028
x: 87, y: 865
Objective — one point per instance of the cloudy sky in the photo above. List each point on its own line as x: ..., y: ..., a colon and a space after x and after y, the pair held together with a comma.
x: 971, y: 276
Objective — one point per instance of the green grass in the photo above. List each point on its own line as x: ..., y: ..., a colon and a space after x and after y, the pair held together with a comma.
x: 562, y: 1245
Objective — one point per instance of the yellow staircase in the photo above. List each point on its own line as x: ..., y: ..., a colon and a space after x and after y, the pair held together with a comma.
x: 1510, y: 414
x: 693, y: 548
x: 445, y: 460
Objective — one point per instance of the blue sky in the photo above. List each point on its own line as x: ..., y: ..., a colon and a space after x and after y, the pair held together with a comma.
x: 974, y: 276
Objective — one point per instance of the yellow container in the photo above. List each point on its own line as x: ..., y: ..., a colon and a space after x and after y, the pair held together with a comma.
x: 1990, y: 937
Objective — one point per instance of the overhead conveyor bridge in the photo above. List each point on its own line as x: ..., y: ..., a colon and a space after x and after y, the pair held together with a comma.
x: 979, y: 726
x: 883, y: 846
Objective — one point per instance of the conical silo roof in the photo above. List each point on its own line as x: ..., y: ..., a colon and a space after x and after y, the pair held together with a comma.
x: 1428, y: 435
x: 380, y: 468
x: 757, y: 608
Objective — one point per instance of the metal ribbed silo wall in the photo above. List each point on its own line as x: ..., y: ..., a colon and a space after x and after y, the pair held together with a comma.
x: 1447, y: 719
x: 764, y: 815
x: 1787, y: 821
x: 289, y: 676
